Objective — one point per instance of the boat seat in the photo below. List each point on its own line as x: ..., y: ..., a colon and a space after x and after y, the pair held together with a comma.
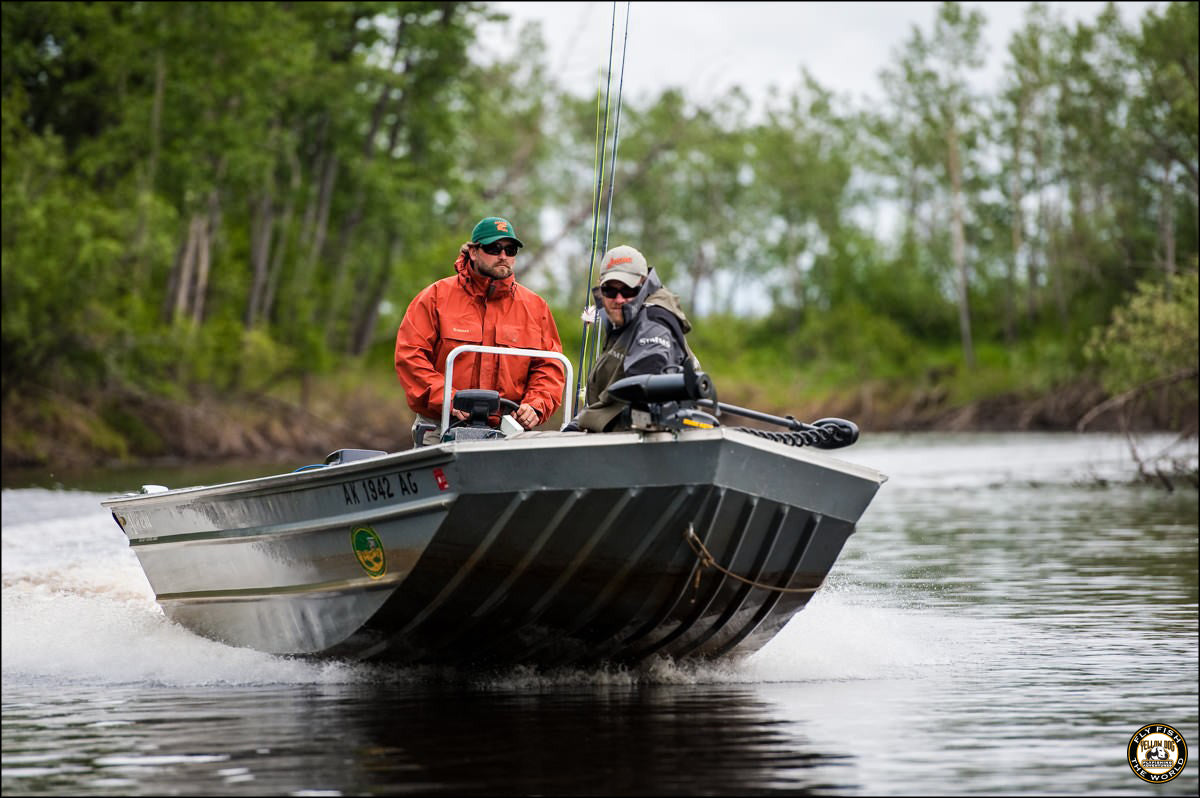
x: 350, y: 455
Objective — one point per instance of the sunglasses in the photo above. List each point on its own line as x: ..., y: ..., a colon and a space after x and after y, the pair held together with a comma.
x: 611, y: 290
x: 495, y: 249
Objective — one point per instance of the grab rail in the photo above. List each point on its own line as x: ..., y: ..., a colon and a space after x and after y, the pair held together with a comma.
x: 504, y: 350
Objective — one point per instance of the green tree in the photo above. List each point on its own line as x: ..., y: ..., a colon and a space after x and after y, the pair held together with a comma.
x: 937, y: 118
x: 1151, y: 346
x: 1164, y: 112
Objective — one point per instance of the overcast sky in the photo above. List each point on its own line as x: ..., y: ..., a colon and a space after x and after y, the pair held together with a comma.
x: 708, y: 47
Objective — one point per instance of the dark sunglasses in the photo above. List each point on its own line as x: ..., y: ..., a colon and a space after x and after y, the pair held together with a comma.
x: 610, y: 290
x: 495, y: 249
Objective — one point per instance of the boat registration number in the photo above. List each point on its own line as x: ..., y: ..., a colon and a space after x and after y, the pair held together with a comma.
x: 379, y: 488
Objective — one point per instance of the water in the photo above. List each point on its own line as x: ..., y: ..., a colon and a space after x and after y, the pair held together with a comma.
x: 1011, y: 610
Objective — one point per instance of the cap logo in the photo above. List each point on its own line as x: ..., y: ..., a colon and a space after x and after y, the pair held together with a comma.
x: 615, y: 261
x: 502, y: 225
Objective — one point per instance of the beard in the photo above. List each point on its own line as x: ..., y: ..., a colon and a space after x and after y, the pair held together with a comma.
x: 496, y: 271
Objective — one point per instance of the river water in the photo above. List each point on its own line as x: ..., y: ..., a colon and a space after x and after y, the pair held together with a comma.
x: 1011, y: 610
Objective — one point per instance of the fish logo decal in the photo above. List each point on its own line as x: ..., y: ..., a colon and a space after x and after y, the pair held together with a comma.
x: 368, y: 548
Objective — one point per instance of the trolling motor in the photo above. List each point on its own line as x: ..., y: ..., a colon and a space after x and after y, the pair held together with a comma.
x: 669, y: 402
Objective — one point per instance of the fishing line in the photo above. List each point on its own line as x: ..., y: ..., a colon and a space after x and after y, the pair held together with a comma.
x: 597, y: 168
x: 597, y: 194
x: 612, y: 170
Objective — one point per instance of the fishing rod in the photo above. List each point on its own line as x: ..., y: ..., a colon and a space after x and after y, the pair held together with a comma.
x: 597, y: 198
x: 612, y: 171
x: 591, y: 317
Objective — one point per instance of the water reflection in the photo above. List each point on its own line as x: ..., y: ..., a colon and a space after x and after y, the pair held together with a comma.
x: 409, y: 739
x: 1009, y: 544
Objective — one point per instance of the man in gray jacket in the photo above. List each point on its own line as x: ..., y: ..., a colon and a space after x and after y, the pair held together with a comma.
x: 645, y: 333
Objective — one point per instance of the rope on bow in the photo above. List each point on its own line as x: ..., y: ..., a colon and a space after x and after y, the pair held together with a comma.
x: 706, y: 560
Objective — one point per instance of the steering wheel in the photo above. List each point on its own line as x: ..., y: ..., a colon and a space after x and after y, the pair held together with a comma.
x: 476, y: 412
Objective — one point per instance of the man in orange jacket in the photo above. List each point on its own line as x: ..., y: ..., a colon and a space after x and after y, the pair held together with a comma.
x: 481, y: 304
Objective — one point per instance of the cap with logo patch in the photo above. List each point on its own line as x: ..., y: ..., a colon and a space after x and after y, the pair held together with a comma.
x: 623, y: 264
x: 493, y: 228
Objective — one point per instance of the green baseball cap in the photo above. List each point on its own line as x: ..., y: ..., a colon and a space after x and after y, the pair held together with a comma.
x: 493, y: 228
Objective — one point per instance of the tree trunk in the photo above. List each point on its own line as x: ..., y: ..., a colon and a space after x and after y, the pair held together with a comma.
x: 151, y: 174
x: 324, y: 202
x: 959, y: 243
x: 283, y: 237
x: 699, y: 271
x: 203, y: 262
x: 369, y: 299
x: 261, y: 229
x: 318, y: 214
x: 1018, y: 223
x: 353, y: 219
x: 207, y: 225
x: 179, y: 285
x: 1040, y: 233
x: 1056, y: 270
x: 1166, y: 220
x: 309, y: 225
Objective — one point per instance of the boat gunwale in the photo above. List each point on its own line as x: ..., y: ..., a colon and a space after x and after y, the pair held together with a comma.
x: 291, y: 528
x: 436, y: 455
x: 447, y: 452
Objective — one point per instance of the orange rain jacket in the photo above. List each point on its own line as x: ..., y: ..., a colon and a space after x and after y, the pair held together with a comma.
x: 470, y: 308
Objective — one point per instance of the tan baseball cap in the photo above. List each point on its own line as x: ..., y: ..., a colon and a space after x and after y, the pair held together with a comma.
x: 623, y: 264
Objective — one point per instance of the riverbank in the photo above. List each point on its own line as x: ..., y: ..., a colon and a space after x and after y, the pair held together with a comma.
x: 304, y: 421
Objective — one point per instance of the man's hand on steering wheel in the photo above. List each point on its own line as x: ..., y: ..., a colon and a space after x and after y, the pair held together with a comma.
x: 526, y: 416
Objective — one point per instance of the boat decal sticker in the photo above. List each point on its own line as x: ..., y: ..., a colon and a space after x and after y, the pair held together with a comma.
x: 1157, y: 753
x: 368, y: 548
x: 440, y: 476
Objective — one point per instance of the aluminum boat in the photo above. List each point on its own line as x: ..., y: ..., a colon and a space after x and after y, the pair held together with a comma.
x: 547, y: 548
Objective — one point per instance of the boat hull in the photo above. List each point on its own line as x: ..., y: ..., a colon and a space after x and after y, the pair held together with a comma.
x: 543, y: 548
